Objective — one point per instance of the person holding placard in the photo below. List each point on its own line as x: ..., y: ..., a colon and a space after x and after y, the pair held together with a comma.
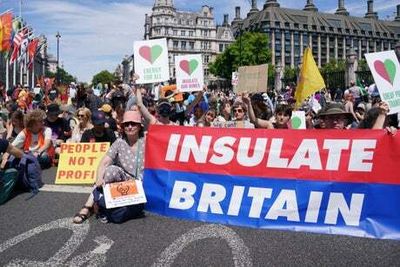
x: 123, y: 161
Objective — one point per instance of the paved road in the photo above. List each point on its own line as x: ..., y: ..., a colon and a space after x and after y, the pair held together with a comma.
x: 39, y: 230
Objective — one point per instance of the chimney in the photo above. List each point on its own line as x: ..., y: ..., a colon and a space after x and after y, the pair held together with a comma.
x: 237, y: 12
x: 271, y: 3
x: 398, y: 14
x: 226, y: 20
x: 310, y: 6
x: 253, y: 9
x: 371, y: 14
x: 341, y: 9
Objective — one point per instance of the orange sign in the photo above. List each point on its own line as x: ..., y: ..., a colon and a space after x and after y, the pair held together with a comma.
x: 125, y: 188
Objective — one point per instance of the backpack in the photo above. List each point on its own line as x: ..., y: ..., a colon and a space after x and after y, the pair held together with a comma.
x: 29, y: 174
x: 8, y: 180
x: 115, y: 215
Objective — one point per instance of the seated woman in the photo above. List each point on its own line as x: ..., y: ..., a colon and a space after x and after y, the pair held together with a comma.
x: 15, y: 125
x: 84, y: 116
x: 123, y: 161
x: 36, y: 138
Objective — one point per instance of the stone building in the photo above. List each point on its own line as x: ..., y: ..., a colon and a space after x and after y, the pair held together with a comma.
x: 330, y: 36
x: 188, y: 32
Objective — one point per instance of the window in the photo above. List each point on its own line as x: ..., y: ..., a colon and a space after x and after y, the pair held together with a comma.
x: 314, y: 27
x: 221, y: 48
x: 206, y: 59
x: 296, y: 25
x: 183, y: 45
x: 287, y: 24
x: 183, y: 33
x: 206, y: 72
x: 175, y: 32
x: 331, y: 29
x: 277, y: 24
x: 305, y: 26
x: 191, y: 45
x: 190, y: 33
x: 322, y: 28
x: 175, y: 43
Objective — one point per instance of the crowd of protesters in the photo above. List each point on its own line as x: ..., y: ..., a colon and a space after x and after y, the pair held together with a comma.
x: 39, y: 120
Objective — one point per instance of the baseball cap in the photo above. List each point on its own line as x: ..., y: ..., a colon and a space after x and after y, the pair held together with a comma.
x: 98, y: 117
x: 106, y: 108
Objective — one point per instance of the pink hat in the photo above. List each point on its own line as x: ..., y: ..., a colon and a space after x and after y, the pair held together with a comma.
x: 132, y: 116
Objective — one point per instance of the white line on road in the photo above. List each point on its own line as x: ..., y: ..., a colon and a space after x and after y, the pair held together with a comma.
x: 67, y: 189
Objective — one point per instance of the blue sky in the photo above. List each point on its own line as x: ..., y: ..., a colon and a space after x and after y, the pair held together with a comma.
x: 95, y: 35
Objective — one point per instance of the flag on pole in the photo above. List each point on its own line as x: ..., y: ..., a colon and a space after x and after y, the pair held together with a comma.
x: 363, y: 92
x: 310, y: 80
x: 18, y: 38
x: 23, y: 49
x: 32, y: 50
x: 5, y: 31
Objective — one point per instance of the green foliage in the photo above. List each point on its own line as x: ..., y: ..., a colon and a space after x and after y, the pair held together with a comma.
x: 63, y: 76
x: 334, y: 66
x: 248, y: 50
x: 363, y: 65
x: 103, y: 77
x: 290, y: 75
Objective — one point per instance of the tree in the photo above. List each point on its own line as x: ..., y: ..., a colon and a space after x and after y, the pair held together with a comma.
x: 103, y: 77
x: 63, y: 76
x: 249, y: 49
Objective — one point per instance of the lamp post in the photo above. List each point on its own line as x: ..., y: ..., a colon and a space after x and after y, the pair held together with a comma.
x: 58, y: 36
x: 240, y: 24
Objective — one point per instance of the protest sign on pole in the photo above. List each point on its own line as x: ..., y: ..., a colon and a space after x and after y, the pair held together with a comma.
x: 385, y: 69
x: 189, y: 73
x: 322, y: 181
x: 298, y: 120
x: 253, y: 79
x: 79, y: 161
x: 151, y: 61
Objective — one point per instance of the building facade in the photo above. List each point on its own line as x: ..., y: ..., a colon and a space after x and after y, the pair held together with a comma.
x: 188, y: 32
x: 330, y: 36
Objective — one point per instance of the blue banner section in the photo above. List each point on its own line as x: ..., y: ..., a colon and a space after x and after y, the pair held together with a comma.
x: 357, y: 209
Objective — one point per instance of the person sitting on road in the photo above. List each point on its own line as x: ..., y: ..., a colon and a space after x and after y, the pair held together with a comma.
x: 111, y: 123
x: 36, y: 138
x: 84, y: 118
x: 123, y: 161
x: 15, y: 125
x: 8, y: 149
x: 98, y: 133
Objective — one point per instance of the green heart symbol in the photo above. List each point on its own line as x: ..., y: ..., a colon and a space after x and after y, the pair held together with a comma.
x: 193, y: 65
x: 391, y: 69
x: 155, y: 52
x: 296, y: 122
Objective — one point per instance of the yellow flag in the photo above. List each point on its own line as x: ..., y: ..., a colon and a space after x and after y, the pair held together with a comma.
x: 310, y: 80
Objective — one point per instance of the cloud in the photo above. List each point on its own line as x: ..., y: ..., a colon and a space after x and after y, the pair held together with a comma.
x: 90, y: 32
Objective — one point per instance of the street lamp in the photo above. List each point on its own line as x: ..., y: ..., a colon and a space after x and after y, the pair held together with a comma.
x: 58, y: 36
x: 240, y: 24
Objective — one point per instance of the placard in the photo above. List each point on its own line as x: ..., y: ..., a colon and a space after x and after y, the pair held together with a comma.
x: 125, y: 193
x: 298, y: 120
x: 385, y: 69
x: 79, y: 161
x: 189, y: 73
x: 253, y: 79
x: 151, y: 61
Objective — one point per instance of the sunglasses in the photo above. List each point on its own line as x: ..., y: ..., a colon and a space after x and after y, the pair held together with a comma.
x: 131, y: 123
x: 81, y: 116
x: 238, y: 110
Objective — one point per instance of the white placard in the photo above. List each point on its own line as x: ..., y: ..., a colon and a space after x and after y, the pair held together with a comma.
x: 125, y: 193
x: 235, y: 78
x: 151, y: 61
x: 36, y: 90
x: 298, y: 120
x: 189, y: 73
x: 385, y: 69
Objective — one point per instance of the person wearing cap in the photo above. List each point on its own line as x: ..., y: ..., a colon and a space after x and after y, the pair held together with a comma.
x: 99, y: 133
x: 334, y: 116
x: 123, y: 161
x: 110, y: 121
x: 84, y: 123
x: 60, y: 129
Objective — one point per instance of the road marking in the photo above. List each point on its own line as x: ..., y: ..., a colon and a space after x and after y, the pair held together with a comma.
x: 95, y: 257
x: 240, y: 252
x: 67, y: 189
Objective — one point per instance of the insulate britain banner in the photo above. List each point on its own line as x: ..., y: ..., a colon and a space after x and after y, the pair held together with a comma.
x: 323, y: 181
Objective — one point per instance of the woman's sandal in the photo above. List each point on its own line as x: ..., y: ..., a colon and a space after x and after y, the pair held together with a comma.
x: 82, y: 216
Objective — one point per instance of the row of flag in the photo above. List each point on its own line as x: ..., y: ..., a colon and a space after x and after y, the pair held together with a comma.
x: 17, y: 40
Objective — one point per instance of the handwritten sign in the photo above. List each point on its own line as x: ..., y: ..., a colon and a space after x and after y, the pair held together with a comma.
x: 125, y: 193
x: 385, y: 69
x: 189, y: 73
x: 78, y: 162
x: 253, y: 79
x: 151, y: 61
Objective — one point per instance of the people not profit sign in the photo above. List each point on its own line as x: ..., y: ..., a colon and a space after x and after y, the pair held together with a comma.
x: 385, y: 69
x: 151, y: 61
x: 189, y: 73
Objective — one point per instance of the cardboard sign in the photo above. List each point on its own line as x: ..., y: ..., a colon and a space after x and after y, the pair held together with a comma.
x: 124, y: 194
x: 79, y: 161
x: 189, y: 73
x: 298, y: 120
x: 228, y: 124
x: 151, y: 61
x: 253, y: 79
x: 385, y: 69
